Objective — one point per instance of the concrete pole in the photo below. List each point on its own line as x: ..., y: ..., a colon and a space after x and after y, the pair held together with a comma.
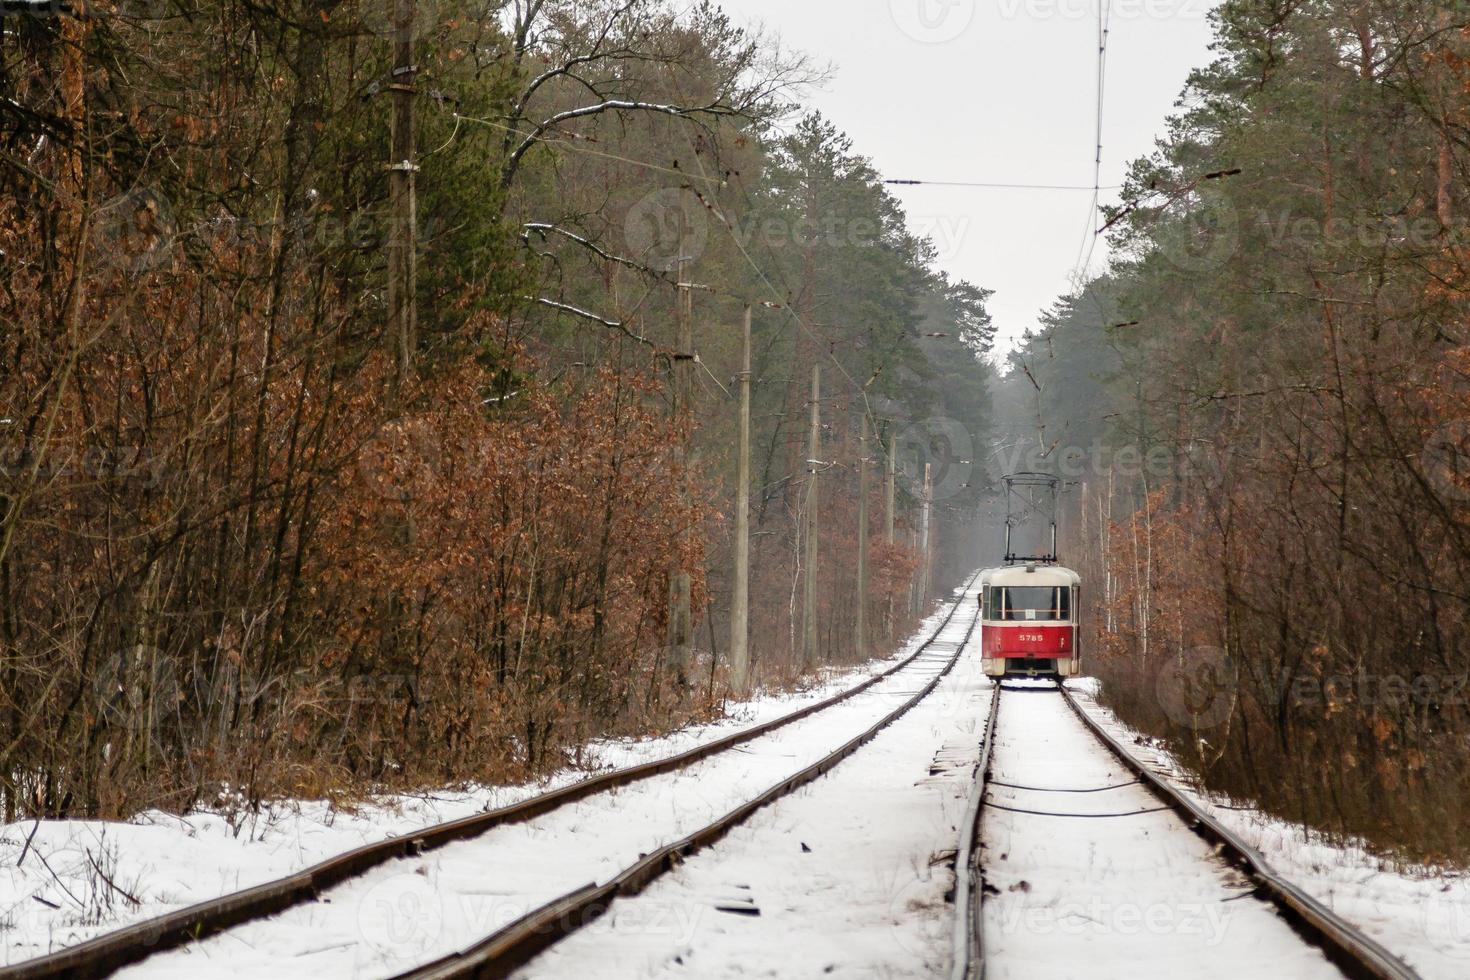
x: 888, y: 499
x: 740, y: 602
x: 809, y: 596
x: 924, y: 540
x: 681, y: 619
x: 888, y: 491
x: 403, y: 203
x: 861, y: 638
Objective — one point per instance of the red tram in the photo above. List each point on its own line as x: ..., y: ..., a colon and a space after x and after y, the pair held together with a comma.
x: 1029, y: 621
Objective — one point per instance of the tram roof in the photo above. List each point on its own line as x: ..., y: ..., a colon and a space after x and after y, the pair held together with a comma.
x: 1029, y: 575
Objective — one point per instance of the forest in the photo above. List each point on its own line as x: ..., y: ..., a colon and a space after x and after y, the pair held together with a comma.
x: 370, y: 412
x: 1264, y: 402
x: 370, y: 399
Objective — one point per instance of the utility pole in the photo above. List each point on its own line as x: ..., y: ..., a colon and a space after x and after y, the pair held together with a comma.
x: 888, y: 491
x: 888, y: 519
x: 862, y: 558
x: 403, y: 201
x: 809, y: 594
x: 740, y: 602
x: 681, y: 619
x: 924, y: 549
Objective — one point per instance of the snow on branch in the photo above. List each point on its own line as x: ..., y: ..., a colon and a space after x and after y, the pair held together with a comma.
x: 545, y: 229
x: 617, y: 325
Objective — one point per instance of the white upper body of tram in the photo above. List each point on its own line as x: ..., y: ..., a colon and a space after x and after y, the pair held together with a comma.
x: 1029, y: 621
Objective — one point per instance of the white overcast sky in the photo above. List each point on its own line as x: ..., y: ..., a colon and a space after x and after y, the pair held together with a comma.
x: 999, y: 91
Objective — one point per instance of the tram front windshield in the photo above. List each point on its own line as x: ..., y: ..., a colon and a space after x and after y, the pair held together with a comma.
x: 1033, y: 602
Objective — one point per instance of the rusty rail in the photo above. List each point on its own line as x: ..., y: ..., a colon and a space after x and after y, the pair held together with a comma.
x: 104, y: 955
x: 519, y: 942
x: 1357, y: 955
x: 968, y: 958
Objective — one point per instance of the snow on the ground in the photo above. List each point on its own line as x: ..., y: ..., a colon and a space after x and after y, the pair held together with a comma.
x: 1422, y: 914
x: 846, y: 877
x: 59, y: 894
x: 1110, y: 895
x: 415, y: 910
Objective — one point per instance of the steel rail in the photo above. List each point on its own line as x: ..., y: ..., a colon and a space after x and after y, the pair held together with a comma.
x: 1357, y: 955
x: 105, y: 954
x: 968, y: 956
x: 515, y: 945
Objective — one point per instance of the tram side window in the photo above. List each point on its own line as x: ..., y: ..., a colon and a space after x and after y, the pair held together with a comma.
x: 1034, y: 602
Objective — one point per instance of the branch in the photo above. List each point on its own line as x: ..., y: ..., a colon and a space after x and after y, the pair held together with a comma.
x: 604, y: 321
x: 546, y: 228
x: 611, y: 105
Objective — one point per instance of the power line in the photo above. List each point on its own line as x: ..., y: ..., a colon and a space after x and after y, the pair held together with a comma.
x: 1089, y: 232
x: 995, y: 186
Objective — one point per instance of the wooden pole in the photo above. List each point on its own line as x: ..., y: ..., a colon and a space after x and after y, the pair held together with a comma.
x: 861, y: 638
x: 809, y: 596
x: 403, y: 201
x: 740, y: 602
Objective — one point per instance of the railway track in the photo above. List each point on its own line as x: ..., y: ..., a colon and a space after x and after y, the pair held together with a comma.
x: 1345, y: 948
x: 512, y: 947
x: 136, y: 943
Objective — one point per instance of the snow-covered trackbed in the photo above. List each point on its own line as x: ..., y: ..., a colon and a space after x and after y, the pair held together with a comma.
x: 1089, y: 870
x: 392, y: 907
x: 518, y: 943
x: 849, y: 876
